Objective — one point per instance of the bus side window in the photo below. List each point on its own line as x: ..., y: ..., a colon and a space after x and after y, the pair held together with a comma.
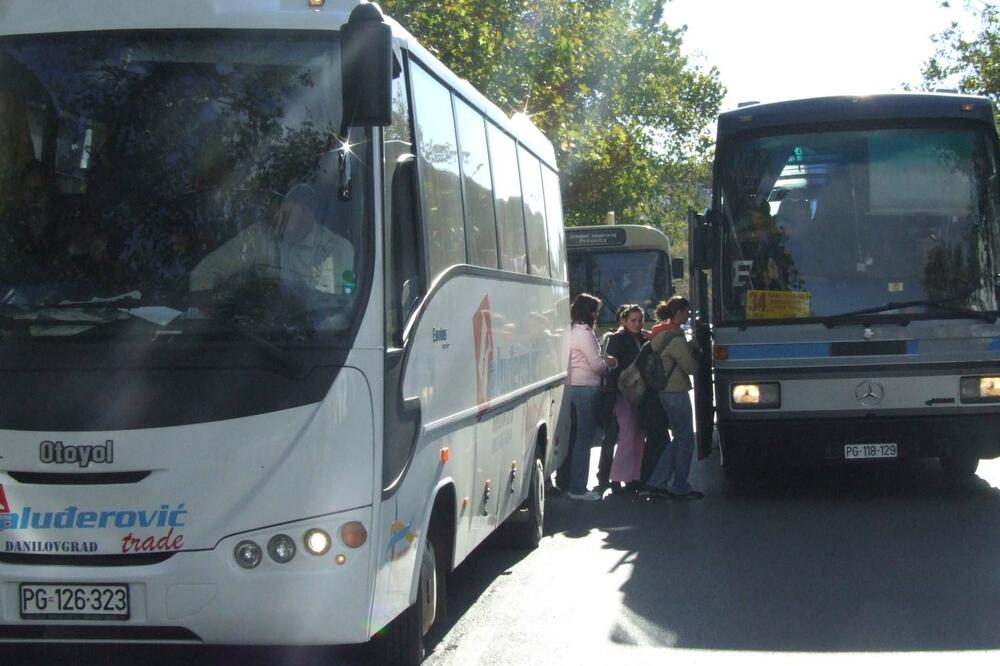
x: 507, y: 195
x: 477, y: 186
x: 437, y: 165
x: 534, y: 212
x: 554, y: 223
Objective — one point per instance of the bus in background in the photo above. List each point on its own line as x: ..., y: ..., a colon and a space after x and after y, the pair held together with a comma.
x: 285, y: 320
x: 623, y: 263
x: 853, y: 247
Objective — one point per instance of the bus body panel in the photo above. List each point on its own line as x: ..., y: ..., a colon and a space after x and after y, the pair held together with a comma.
x: 263, y: 461
x: 498, y: 339
x: 261, y: 458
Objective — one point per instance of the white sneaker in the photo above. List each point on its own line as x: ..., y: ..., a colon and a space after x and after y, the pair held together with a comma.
x: 589, y: 496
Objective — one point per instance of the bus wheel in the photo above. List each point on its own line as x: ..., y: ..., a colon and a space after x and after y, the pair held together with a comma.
x: 525, y: 526
x: 402, y: 641
x: 959, y: 466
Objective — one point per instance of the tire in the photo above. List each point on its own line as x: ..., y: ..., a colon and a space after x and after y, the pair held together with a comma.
x: 435, y: 586
x: 959, y: 466
x: 524, y: 527
x: 401, y: 643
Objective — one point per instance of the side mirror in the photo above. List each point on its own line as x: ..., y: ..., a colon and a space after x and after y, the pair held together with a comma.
x: 677, y: 268
x: 366, y: 68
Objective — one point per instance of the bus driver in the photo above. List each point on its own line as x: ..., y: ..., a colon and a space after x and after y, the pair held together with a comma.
x: 293, y: 247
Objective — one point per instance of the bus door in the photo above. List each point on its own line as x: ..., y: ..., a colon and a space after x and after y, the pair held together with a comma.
x: 699, y: 233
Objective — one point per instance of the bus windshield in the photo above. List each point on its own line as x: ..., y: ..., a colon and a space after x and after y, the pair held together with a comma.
x: 179, y: 182
x: 618, y: 278
x: 894, y: 221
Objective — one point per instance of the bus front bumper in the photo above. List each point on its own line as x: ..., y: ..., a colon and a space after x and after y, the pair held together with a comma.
x: 818, y: 440
x: 205, y: 597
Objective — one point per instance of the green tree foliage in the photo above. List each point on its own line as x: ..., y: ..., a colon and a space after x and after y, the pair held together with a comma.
x: 973, y: 62
x: 628, y: 114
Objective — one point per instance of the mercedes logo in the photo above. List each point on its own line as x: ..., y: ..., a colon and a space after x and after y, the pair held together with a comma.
x: 869, y: 393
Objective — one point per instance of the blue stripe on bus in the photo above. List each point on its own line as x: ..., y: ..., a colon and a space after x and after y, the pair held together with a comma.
x: 805, y: 350
x: 995, y: 344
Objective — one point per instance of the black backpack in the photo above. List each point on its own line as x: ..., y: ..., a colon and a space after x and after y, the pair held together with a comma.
x: 651, y: 368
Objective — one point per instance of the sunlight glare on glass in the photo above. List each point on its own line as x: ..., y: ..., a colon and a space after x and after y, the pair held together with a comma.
x: 347, y: 146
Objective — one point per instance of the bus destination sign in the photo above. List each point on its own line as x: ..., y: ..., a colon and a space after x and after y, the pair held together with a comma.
x: 577, y: 238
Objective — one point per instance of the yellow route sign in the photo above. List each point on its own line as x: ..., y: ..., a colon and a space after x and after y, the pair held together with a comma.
x: 764, y: 304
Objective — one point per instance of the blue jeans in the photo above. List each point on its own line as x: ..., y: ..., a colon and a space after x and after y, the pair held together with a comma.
x: 671, y: 472
x: 584, y: 401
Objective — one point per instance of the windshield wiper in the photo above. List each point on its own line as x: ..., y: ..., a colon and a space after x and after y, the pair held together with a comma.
x: 100, y: 301
x: 987, y: 316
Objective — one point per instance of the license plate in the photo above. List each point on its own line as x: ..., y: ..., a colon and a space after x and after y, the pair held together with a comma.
x: 866, y: 451
x: 61, y: 601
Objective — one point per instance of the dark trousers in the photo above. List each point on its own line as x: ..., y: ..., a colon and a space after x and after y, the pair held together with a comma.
x: 603, y: 466
x: 653, y: 420
x: 656, y: 442
x: 607, y: 453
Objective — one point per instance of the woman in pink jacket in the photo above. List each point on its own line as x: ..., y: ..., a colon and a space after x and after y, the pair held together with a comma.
x: 587, y: 367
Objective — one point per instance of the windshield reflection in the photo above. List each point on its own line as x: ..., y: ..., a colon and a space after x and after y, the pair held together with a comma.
x: 173, y: 177
x: 618, y: 278
x: 817, y: 225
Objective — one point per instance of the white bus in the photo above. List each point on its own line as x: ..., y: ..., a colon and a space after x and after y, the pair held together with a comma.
x: 622, y: 263
x: 284, y: 331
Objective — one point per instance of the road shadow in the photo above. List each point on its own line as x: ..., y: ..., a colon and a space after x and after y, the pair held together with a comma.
x: 494, y: 558
x: 873, y: 558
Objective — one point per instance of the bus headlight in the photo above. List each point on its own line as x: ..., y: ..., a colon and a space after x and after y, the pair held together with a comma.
x: 756, y: 396
x: 281, y: 548
x: 980, y: 389
x: 317, y: 541
x: 248, y: 554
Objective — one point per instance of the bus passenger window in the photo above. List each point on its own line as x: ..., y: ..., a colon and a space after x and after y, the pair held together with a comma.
x: 437, y: 152
x: 507, y: 194
x: 477, y: 186
x: 534, y: 212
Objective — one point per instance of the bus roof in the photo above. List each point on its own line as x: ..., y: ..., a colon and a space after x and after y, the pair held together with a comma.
x: 24, y: 17
x: 616, y: 236
x: 821, y: 110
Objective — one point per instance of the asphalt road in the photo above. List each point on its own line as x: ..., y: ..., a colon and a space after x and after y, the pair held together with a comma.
x: 876, y: 564
x: 873, y: 563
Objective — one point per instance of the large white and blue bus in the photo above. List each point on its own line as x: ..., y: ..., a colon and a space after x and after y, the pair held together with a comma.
x: 284, y: 318
x: 852, y: 247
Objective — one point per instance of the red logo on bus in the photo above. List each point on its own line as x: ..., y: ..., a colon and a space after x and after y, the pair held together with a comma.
x: 4, y: 507
x: 482, y: 331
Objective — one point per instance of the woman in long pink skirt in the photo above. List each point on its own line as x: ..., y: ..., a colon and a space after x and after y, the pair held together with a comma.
x: 624, y: 345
